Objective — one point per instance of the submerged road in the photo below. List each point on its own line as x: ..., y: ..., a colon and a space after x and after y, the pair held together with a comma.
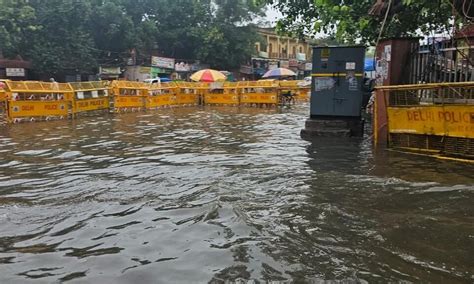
x: 211, y: 195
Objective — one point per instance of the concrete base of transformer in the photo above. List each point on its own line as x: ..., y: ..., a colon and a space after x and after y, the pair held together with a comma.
x: 332, y: 128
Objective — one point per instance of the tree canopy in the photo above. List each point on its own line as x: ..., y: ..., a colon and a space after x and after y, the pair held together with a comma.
x: 361, y: 20
x: 59, y: 35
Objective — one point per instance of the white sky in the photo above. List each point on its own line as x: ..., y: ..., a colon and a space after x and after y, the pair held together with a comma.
x: 273, y: 15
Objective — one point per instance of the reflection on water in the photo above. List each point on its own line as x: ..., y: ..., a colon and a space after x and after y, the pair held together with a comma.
x: 213, y: 195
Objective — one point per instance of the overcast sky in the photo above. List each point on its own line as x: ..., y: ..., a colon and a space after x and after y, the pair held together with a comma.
x: 272, y: 16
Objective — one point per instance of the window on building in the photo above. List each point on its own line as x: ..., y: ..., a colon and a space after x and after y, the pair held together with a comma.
x: 301, y: 49
x: 294, y: 50
x: 270, y: 48
x: 257, y: 48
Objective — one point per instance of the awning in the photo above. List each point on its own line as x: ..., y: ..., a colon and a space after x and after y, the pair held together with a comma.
x: 369, y: 65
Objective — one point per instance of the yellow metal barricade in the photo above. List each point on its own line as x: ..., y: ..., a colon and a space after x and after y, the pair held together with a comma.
x: 32, y: 100
x: 187, y: 93
x: 161, y: 95
x: 129, y: 96
x: 296, y: 89
x: 3, y: 100
x: 258, y: 92
x: 436, y: 118
x: 90, y: 96
x: 222, y: 93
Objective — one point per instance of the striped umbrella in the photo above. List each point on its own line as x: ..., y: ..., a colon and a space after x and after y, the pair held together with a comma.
x: 208, y: 75
x: 279, y: 72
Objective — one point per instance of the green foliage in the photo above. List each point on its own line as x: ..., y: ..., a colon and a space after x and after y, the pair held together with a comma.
x: 77, y: 36
x: 349, y: 20
x: 17, y: 18
x: 63, y: 43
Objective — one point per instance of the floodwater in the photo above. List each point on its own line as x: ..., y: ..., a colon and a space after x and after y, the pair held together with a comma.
x: 222, y: 195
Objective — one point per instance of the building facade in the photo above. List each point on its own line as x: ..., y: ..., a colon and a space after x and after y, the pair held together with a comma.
x: 278, y: 51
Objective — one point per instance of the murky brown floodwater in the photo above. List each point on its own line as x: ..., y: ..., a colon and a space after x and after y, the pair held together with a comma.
x: 198, y: 196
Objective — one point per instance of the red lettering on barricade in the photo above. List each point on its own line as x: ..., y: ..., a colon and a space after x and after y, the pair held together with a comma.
x: 51, y: 107
x: 27, y: 108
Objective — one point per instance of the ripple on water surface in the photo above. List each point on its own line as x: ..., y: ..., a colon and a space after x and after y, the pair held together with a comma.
x: 208, y: 195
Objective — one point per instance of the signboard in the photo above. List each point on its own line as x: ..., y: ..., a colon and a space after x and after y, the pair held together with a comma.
x: 284, y: 64
x: 109, y: 70
x: 272, y: 65
x: 37, y: 108
x: 263, y: 54
x: 162, y: 62
x: 244, y: 69
x: 182, y: 67
x: 15, y: 72
x: 91, y: 104
x: 301, y: 56
x: 145, y: 70
x: 454, y: 121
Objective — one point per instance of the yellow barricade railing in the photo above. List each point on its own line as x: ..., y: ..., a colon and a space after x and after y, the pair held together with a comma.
x: 296, y: 88
x: 222, y: 93
x: 187, y: 93
x: 31, y: 100
x: 161, y: 95
x: 90, y: 96
x: 129, y: 95
x: 3, y: 103
x: 428, y: 117
x: 258, y: 92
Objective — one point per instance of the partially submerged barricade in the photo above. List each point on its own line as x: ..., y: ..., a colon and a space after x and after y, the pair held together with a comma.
x: 161, y: 95
x: 90, y: 97
x: 32, y: 100
x: 296, y: 90
x: 129, y: 96
x: 433, y: 118
x: 187, y: 94
x: 222, y: 93
x: 258, y: 93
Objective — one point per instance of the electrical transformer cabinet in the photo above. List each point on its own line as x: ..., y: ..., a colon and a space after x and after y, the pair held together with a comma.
x: 337, y: 83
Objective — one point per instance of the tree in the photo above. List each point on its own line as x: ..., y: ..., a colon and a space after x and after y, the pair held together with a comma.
x: 63, y: 42
x: 361, y: 20
x: 72, y: 36
x: 16, y: 19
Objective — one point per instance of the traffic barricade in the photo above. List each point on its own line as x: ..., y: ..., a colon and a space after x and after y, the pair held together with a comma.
x: 222, y: 93
x: 429, y: 118
x: 90, y: 97
x: 33, y: 100
x: 161, y: 95
x: 258, y: 93
x: 187, y: 93
x: 296, y: 88
x: 129, y: 96
x: 3, y: 105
